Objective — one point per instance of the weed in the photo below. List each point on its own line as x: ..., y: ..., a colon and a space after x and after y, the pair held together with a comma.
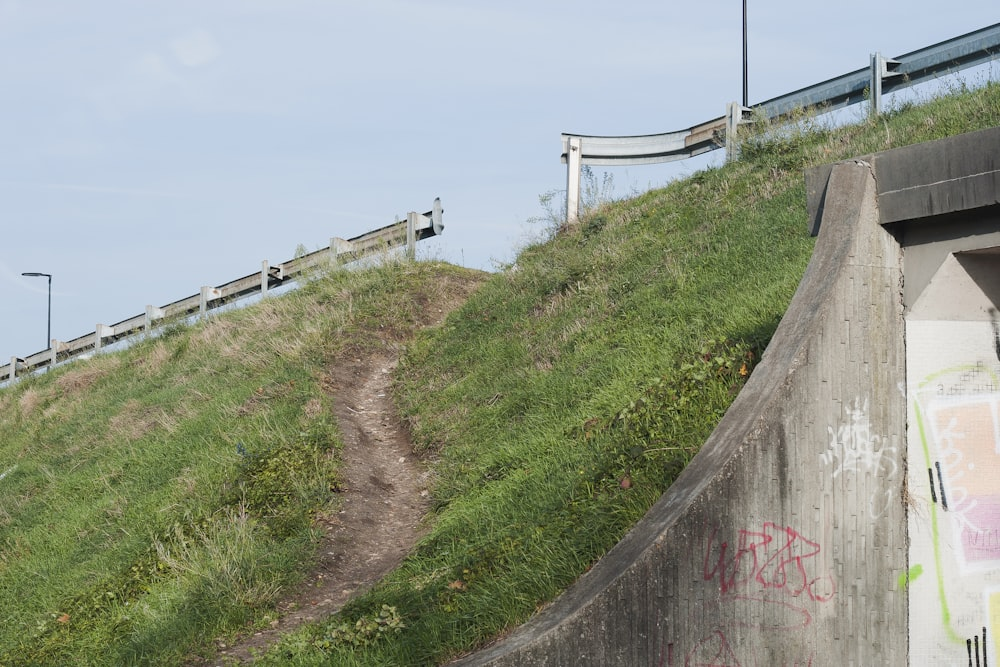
x: 365, y: 631
x: 595, y: 193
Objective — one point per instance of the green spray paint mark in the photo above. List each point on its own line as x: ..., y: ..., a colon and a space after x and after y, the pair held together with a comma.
x: 906, y: 577
x: 935, y: 536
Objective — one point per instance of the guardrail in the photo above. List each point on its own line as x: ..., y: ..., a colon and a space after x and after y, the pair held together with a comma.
x: 415, y: 228
x: 882, y: 76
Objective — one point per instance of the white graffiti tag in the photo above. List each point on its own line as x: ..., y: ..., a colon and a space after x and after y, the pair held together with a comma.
x: 854, y: 448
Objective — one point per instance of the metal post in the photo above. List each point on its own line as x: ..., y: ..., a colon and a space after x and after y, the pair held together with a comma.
x: 411, y: 235
x: 336, y: 248
x: 203, y: 301
x: 152, y: 313
x: 264, y: 268
x: 101, y: 331
x: 877, y: 72
x: 207, y: 294
x: 746, y: 91
x: 574, y: 163
x: 340, y: 247
x: 48, y: 331
x: 48, y: 328
x: 734, y: 115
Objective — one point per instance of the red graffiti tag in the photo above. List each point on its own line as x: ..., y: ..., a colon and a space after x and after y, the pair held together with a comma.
x: 712, y: 651
x: 774, y: 560
x: 715, y: 651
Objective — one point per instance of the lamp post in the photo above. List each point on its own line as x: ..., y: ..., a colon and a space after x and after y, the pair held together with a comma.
x: 33, y: 274
x: 746, y: 93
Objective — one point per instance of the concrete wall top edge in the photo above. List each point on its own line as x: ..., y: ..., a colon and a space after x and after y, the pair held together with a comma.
x: 950, y: 175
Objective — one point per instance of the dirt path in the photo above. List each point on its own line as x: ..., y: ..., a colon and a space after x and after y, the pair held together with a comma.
x: 384, y: 497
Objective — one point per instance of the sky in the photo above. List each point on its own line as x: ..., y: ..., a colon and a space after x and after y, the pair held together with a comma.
x: 148, y: 148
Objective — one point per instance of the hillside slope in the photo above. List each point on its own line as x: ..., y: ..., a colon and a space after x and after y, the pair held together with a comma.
x: 162, y: 500
x: 561, y: 400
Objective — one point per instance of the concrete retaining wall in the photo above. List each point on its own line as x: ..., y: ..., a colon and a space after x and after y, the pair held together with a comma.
x: 786, y: 541
x: 785, y: 536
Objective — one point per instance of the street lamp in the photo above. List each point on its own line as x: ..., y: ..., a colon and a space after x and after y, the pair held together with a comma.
x: 746, y: 92
x: 33, y: 274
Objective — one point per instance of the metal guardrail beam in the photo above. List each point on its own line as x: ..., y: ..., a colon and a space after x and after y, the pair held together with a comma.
x: 580, y: 149
x: 909, y: 69
x: 416, y: 227
x: 649, y: 148
x: 884, y: 75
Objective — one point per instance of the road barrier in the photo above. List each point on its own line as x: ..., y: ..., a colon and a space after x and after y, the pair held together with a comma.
x: 881, y: 77
x: 407, y: 232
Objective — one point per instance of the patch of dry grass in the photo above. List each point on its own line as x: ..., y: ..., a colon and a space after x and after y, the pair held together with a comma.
x: 135, y: 420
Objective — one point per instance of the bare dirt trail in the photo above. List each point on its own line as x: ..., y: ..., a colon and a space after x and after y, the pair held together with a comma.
x: 377, y: 521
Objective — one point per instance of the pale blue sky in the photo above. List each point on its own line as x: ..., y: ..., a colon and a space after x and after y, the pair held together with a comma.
x: 152, y: 147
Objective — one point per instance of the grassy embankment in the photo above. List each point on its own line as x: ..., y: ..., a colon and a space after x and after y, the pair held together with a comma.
x: 156, y: 498
x: 556, y: 405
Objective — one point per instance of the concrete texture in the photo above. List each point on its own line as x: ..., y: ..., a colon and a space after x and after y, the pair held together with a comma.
x: 785, y: 541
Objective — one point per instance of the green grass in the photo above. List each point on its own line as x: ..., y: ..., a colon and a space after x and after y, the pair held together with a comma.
x: 162, y: 496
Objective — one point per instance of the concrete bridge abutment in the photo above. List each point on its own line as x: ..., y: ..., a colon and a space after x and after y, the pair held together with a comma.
x: 846, y: 510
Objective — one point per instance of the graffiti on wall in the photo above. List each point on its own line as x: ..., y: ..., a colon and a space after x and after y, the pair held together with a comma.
x: 714, y: 650
x: 770, y: 577
x: 964, y: 475
x: 954, y: 484
x: 856, y: 450
x: 773, y: 565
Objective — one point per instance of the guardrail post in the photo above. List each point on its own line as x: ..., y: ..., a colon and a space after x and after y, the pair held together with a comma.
x: 207, y: 294
x: 54, y: 349
x: 152, y: 313
x: 13, y: 368
x: 881, y: 69
x: 334, y: 251
x: 411, y: 235
x: 101, y: 331
x: 875, y: 87
x: 574, y: 164
x: 338, y: 247
x: 734, y: 116
x: 264, y: 268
